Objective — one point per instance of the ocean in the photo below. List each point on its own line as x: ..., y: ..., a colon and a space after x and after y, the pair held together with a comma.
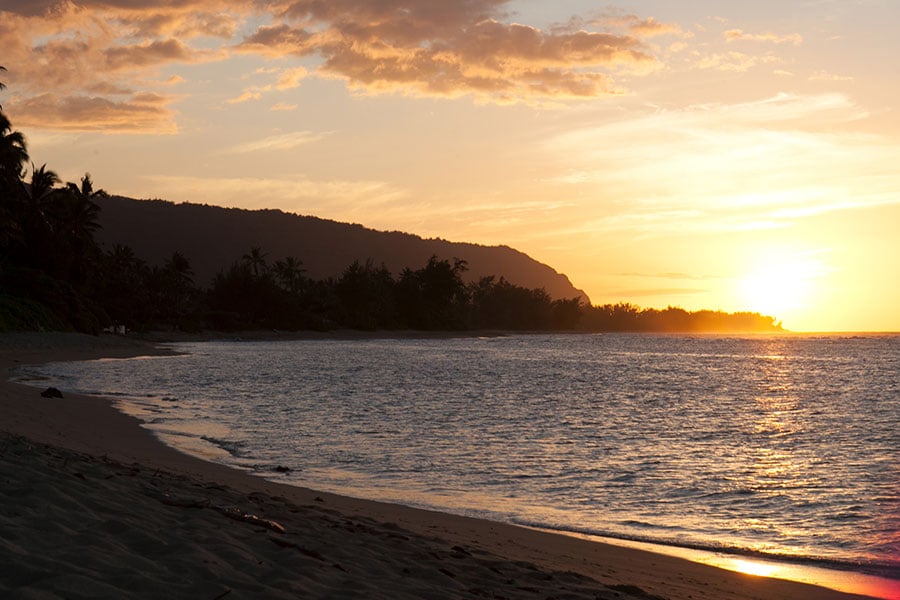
x: 785, y: 447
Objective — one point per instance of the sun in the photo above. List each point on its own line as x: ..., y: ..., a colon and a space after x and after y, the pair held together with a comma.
x: 781, y: 284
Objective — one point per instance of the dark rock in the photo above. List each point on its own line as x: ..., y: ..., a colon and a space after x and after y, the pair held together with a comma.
x: 51, y: 392
x: 281, y: 469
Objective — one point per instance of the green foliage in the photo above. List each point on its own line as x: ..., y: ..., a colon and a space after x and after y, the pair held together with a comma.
x: 21, y: 314
x: 71, y: 309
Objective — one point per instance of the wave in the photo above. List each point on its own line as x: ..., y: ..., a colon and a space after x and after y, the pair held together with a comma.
x: 889, y: 570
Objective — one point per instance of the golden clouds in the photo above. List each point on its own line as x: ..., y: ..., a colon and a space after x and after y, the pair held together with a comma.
x: 450, y: 49
x: 99, y: 53
x: 141, y: 112
x: 738, y: 34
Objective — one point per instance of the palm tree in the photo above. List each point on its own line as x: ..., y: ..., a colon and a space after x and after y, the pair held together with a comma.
x: 80, y: 213
x: 289, y: 273
x: 86, y: 189
x: 13, y: 155
x: 74, y: 220
x: 179, y: 269
x: 2, y: 85
x: 38, y: 196
x: 177, y: 286
x: 256, y: 259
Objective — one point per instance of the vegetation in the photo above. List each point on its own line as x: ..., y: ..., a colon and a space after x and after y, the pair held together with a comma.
x: 54, y: 275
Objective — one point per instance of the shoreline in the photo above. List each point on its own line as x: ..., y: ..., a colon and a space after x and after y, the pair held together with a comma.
x: 92, y: 426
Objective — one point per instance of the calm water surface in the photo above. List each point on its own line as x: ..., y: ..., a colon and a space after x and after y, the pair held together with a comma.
x: 785, y: 446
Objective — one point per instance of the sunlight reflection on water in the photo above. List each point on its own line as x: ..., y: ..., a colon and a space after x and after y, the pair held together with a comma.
x: 781, y: 445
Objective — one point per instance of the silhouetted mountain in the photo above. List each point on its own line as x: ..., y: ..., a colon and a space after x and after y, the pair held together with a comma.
x: 212, y: 237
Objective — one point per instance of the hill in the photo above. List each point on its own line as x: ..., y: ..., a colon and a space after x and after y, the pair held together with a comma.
x: 213, y: 237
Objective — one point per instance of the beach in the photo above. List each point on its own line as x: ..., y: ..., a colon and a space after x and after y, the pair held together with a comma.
x: 93, y: 505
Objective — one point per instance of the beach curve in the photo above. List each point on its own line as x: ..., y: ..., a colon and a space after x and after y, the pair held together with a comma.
x: 95, y: 505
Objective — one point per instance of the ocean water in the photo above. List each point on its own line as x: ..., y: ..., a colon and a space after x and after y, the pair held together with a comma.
x: 781, y: 446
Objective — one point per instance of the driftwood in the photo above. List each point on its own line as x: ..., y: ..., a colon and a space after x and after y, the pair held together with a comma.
x: 231, y: 513
x: 238, y: 515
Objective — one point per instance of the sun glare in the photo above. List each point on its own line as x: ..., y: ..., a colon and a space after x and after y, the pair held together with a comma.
x: 750, y: 567
x: 779, y: 285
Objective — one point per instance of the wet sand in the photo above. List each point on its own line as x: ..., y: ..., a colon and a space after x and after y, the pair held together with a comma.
x: 93, y: 505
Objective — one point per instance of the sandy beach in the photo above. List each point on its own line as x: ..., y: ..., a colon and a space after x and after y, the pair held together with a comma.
x: 94, y: 506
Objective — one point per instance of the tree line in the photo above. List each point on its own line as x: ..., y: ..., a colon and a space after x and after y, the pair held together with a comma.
x: 54, y: 275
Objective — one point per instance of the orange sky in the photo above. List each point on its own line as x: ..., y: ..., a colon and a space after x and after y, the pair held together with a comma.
x: 700, y: 154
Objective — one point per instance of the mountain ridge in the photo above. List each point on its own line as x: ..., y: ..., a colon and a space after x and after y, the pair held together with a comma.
x: 214, y: 237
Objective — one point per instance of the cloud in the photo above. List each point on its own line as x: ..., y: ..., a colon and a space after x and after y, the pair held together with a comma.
x: 280, y: 106
x: 708, y: 168
x: 283, y: 141
x: 670, y: 275
x: 734, y: 61
x: 140, y: 113
x: 340, y: 199
x: 648, y: 292
x: 449, y: 49
x: 733, y: 35
x: 149, y: 53
x: 99, y: 60
x: 288, y: 79
x: 246, y: 96
x: 637, y: 26
x: 107, y: 50
x: 823, y: 75
x: 291, y: 78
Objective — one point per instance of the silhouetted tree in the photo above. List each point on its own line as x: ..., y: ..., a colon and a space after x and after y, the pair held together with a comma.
x: 13, y: 155
x: 76, y: 220
x: 175, y: 287
x: 256, y: 260
x: 289, y: 274
x: 13, y: 158
x: 366, y: 296
x: 123, y: 289
x: 433, y: 297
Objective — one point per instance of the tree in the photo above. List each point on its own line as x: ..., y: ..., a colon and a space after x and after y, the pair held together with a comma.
x: 289, y: 274
x: 175, y: 284
x: 433, y: 297
x: 37, y: 217
x: 256, y: 260
x: 38, y: 191
x: 2, y: 85
x: 80, y: 213
x: 13, y: 156
x: 366, y: 296
x: 123, y: 287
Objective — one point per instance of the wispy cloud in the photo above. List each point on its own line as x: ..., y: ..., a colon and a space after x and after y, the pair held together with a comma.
x: 283, y: 141
x: 822, y: 75
x: 337, y: 199
x: 719, y: 167
x: 734, y: 35
x: 140, y: 112
x: 650, y: 292
x: 734, y: 61
x: 287, y: 79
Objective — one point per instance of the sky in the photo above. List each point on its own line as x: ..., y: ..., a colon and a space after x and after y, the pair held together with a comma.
x: 703, y: 154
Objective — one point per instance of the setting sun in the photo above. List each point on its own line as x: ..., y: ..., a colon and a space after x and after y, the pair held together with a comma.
x: 781, y: 285
x: 701, y: 156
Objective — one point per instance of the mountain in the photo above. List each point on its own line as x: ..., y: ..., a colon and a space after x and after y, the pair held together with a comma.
x: 213, y: 237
